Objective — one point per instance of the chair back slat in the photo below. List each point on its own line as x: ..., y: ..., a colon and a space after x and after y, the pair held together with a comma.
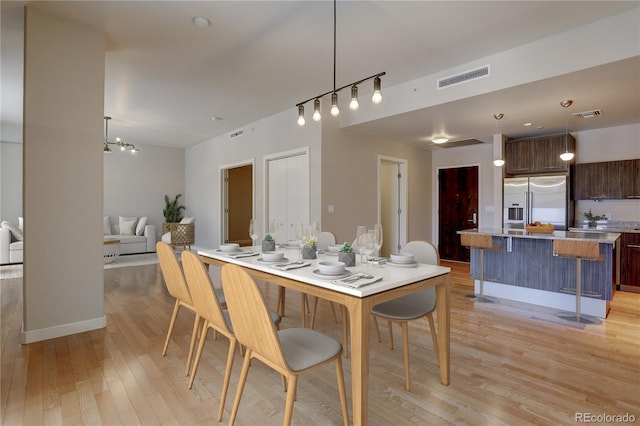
x: 252, y: 323
x: 202, y: 291
x: 423, y: 252
x: 577, y: 249
x: 325, y: 239
x: 476, y: 241
x: 172, y: 273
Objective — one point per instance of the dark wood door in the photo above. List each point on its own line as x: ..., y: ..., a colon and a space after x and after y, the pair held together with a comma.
x: 239, y: 204
x: 457, y: 209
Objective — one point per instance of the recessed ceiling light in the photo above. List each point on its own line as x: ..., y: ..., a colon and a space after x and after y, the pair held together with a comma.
x: 528, y: 124
x: 200, y: 21
x: 439, y: 140
x: 214, y: 118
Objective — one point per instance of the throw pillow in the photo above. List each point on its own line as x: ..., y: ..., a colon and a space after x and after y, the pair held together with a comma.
x: 16, y: 233
x: 128, y: 227
x: 188, y: 220
x: 166, y: 237
x: 122, y: 219
x: 141, y: 224
x: 106, y: 225
x: 21, y: 223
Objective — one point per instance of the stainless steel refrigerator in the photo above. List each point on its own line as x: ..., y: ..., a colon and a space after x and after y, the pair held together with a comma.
x: 541, y: 198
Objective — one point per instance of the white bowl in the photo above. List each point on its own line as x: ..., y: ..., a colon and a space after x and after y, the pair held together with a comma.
x: 331, y: 268
x: 334, y: 248
x: 402, y: 258
x: 229, y: 247
x: 272, y: 256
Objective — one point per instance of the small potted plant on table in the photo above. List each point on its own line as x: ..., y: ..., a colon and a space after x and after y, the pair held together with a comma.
x: 346, y: 255
x: 309, y: 247
x: 268, y: 243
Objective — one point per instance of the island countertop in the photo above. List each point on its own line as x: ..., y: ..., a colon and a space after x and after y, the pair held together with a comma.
x: 601, y: 237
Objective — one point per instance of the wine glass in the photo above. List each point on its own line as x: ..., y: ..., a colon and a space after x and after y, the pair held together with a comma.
x: 299, y: 229
x: 377, y: 232
x: 359, y: 232
x: 273, y: 229
x: 314, y: 229
x: 369, y: 244
x: 253, y: 231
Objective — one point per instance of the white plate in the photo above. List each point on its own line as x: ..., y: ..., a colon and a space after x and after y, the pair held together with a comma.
x: 403, y: 265
x: 261, y: 260
x: 316, y: 272
x: 229, y: 252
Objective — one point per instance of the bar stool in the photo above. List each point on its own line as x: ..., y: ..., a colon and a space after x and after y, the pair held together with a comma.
x: 579, y: 250
x: 482, y: 243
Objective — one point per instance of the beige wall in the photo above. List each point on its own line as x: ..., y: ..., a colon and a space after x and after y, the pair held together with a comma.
x: 63, y: 167
x: 350, y: 181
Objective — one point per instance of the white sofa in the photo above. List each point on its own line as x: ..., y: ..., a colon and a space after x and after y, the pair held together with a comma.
x: 11, y: 248
x: 141, y: 238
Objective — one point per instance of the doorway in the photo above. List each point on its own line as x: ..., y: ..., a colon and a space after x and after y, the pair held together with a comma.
x: 457, y: 209
x: 392, y: 203
x: 237, y: 195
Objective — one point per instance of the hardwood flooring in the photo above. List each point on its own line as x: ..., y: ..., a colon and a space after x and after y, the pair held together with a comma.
x: 511, y: 364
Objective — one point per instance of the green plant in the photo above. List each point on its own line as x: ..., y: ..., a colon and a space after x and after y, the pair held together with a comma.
x: 346, y: 248
x: 594, y: 218
x: 173, y: 210
x: 309, y: 242
x: 268, y: 237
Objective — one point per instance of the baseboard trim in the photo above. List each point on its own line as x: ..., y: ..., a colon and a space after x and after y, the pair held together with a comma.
x: 61, y: 330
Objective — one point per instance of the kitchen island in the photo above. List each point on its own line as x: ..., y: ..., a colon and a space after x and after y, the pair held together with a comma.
x: 523, y: 268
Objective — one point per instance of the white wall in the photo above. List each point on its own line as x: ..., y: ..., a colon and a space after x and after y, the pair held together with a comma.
x: 609, y: 144
x: 10, y: 181
x: 135, y: 185
x: 271, y: 135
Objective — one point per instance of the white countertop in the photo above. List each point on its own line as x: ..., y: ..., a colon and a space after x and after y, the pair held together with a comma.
x: 392, y: 276
x: 601, y: 237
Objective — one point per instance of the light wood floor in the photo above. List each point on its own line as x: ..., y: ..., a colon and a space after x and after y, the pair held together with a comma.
x: 511, y: 364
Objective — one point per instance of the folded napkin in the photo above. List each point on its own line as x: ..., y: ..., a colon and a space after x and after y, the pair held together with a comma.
x: 357, y: 280
x: 243, y: 254
x: 290, y: 265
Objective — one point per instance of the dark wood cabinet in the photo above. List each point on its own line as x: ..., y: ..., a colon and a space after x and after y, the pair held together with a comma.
x: 538, y: 155
x: 600, y: 181
x: 630, y: 262
x: 631, y: 179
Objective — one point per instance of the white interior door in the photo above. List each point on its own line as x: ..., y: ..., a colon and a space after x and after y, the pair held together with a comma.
x: 288, y: 201
x: 392, y: 187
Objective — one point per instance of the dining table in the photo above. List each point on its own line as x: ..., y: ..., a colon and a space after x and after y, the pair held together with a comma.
x: 391, y: 281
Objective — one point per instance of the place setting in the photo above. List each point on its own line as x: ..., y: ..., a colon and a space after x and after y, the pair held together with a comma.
x: 272, y: 257
x: 401, y: 260
x: 234, y: 251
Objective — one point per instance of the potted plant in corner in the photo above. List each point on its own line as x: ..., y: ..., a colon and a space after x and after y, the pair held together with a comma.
x: 346, y: 255
x: 268, y: 243
x: 172, y: 210
x: 592, y: 220
x: 309, y: 247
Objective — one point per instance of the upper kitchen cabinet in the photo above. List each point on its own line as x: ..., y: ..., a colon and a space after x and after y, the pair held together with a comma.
x: 631, y: 179
x: 538, y: 155
x: 599, y: 181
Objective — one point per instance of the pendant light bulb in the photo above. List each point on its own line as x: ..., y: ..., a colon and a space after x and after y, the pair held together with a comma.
x: 498, y: 162
x: 567, y: 156
x: 316, y: 110
x: 301, y: 115
x: 377, y: 95
x: 335, y: 111
x: 354, y: 98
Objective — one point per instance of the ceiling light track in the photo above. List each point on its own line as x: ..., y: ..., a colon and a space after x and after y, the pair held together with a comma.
x: 119, y: 143
x: 376, y: 98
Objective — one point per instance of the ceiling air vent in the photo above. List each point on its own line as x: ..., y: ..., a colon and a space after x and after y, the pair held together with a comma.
x: 588, y: 114
x: 236, y: 134
x: 464, y: 77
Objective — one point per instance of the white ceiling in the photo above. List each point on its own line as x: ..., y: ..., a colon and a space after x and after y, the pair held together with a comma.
x: 166, y: 78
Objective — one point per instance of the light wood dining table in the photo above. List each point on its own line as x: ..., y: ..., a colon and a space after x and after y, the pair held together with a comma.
x: 395, y: 282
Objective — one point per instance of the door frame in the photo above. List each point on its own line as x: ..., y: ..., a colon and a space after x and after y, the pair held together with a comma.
x: 403, y: 193
x: 224, y: 196
x: 435, y: 231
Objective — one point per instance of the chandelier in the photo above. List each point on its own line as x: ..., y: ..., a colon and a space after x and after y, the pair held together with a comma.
x: 119, y: 143
x: 376, y: 98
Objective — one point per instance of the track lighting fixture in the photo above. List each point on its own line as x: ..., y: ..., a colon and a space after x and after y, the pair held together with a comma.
x: 376, y: 98
x: 122, y: 145
x: 316, y: 110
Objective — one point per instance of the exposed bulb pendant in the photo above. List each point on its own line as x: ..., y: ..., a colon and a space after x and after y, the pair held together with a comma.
x: 353, y: 105
x: 301, y: 115
x: 376, y: 98
x: 335, y: 111
x: 316, y: 110
x: 124, y: 146
x: 566, y: 156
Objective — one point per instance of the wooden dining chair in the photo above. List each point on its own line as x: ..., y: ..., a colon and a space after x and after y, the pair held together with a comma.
x: 290, y: 352
x: 177, y: 287
x: 208, y: 307
x: 410, y: 307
